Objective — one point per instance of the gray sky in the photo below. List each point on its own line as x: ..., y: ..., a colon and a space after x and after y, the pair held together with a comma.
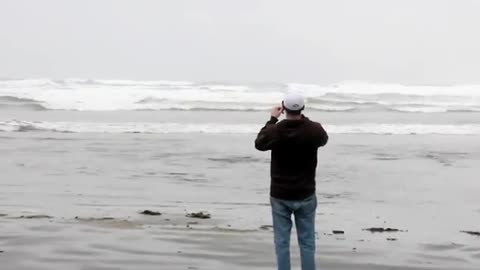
x: 400, y: 41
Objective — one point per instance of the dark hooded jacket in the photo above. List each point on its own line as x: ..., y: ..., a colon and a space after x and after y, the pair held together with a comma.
x: 294, y: 145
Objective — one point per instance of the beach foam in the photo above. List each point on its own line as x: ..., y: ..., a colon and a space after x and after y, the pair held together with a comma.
x: 218, y: 128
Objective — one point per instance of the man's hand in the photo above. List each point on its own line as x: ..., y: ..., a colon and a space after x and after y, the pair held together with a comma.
x: 277, y: 111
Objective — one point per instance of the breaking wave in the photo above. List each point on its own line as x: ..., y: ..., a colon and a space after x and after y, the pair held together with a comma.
x: 167, y: 128
x: 112, y: 95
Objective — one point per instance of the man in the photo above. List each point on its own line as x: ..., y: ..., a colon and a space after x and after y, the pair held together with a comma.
x: 294, y: 143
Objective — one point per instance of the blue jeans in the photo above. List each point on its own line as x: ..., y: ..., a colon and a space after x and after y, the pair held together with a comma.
x: 304, y: 212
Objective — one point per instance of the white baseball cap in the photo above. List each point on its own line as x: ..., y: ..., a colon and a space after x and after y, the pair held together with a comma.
x: 293, y: 101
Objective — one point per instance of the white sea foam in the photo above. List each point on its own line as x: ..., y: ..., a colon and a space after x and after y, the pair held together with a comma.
x: 439, y: 109
x: 381, y: 88
x: 111, y: 95
x: 166, y: 128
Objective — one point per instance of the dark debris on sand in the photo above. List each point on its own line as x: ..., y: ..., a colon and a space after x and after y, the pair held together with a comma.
x: 382, y: 230
x: 95, y: 219
x: 471, y: 233
x: 150, y: 213
x: 35, y: 217
x: 201, y: 215
x: 266, y: 227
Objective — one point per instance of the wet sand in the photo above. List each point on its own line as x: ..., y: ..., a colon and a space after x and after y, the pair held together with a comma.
x: 140, y: 244
x: 88, y: 190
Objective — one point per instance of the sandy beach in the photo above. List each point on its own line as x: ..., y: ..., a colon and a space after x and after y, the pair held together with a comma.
x: 73, y: 201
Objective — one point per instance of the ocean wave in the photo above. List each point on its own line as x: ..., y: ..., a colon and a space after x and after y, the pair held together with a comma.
x: 365, y: 88
x: 27, y: 107
x: 10, y: 102
x: 424, y: 109
x: 17, y: 99
x: 112, y: 95
x: 332, y: 108
x: 217, y: 128
x: 152, y: 103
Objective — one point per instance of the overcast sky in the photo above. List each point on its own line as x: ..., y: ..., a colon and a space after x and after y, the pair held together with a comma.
x: 399, y: 41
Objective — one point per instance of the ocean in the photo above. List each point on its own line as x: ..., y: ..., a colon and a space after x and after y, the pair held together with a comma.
x: 183, y: 107
x: 81, y: 158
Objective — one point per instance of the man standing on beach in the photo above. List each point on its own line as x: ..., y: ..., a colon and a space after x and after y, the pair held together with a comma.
x: 294, y: 143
